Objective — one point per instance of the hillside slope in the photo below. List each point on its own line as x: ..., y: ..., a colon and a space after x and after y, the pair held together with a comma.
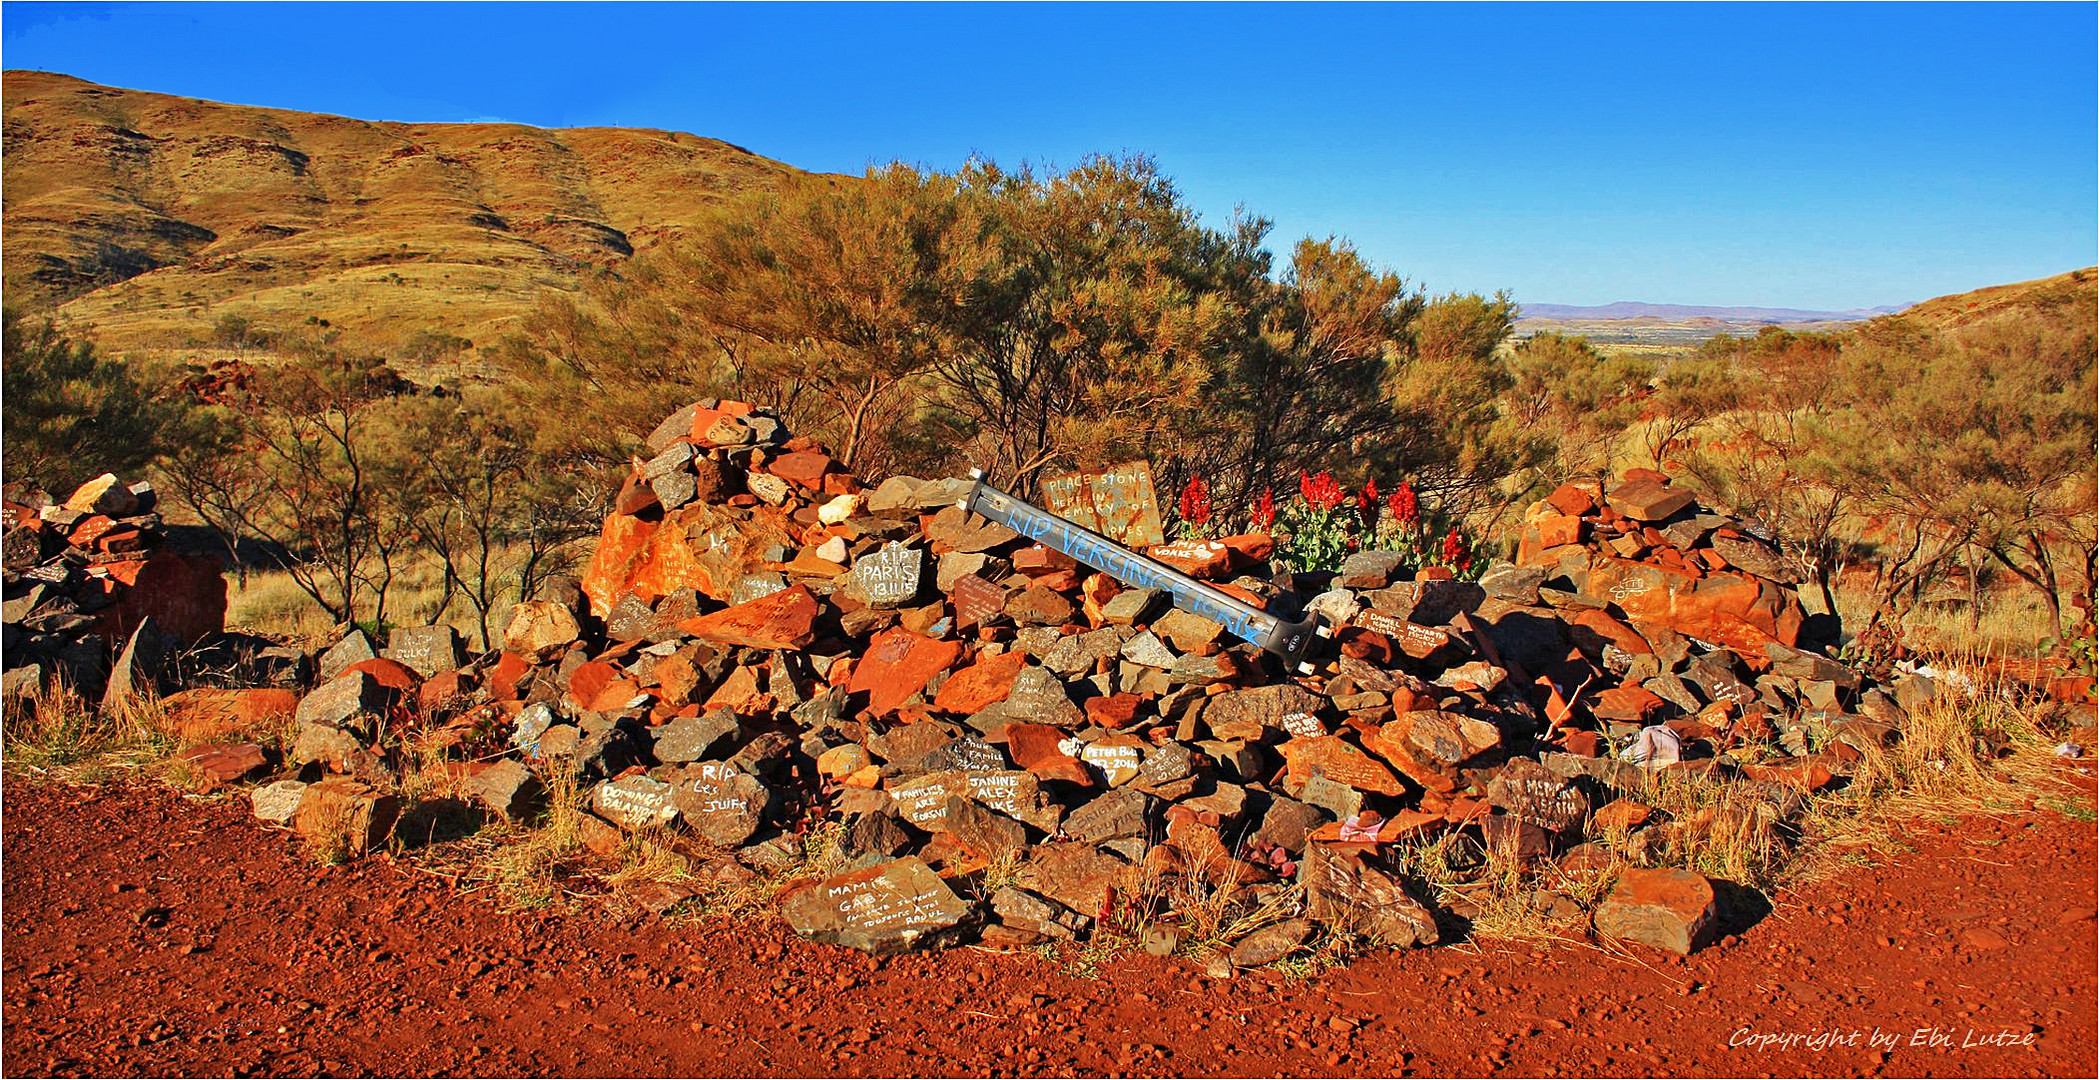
x: 1961, y: 309
x: 149, y: 216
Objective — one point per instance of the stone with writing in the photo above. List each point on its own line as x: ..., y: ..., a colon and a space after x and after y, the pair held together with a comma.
x: 1118, y: 758
x: 1252, y: 713
x: 1040, y: 697
x: 635, y: 802
x: 968, y: 753
x: 922, y: 800
x: 1355, y: 896
x: 721, y: 803
x: 1531, y: 792
x: 899, y: 664
x: 976, y: 600
x: 889, y: 576
x: 1338, y: 760
x: 1207, y: 560
x: 781, y: 620
x: 891, y: 908
x: 1109, y: 816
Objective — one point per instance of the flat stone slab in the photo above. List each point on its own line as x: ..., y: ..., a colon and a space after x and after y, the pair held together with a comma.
x: 895, y: 907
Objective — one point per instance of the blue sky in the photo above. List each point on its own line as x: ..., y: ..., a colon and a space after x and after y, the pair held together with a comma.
x: 1819, y: 156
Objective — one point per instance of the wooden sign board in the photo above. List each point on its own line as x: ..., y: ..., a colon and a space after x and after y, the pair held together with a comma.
x: 1118, y: 503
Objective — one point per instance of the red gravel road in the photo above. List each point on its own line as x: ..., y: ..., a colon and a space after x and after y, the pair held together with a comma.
x: 149, y: 934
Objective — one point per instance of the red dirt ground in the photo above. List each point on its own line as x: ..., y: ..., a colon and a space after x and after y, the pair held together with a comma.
x: 150, y: 934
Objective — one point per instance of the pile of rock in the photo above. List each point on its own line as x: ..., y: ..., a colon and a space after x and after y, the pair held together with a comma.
x: 88, y: 575
x: 759, y: 644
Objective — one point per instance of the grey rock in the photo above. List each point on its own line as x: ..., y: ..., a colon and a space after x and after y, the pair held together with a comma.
x: 1287, y: 822
x: 892, y: 908
x: 1118, y: 813
x: 695, y: 737
x: 1370, y: 569
x: 1146, y: 649
x: 342, y: 702
x: 1271, y: 943
x: 1133, y: 606
x: 1038, y: 914
x: 354, y: 648
x: 426, y: 650
x: 507, y: 788
x: 1517, y: 584
x: 277, y: 802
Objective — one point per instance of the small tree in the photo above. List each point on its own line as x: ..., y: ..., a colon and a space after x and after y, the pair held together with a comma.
x: 71, y: 414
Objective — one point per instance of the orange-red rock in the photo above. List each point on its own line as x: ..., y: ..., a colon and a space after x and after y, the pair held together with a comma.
x: 392, y: 674
x: 199, y: 715
x: 898, y: 664
x: 187, y: 597
x: 781, y: 620
x: 1037, y: 748
x: 981, y: 684
x: 506, y: 674
x: 1113, y: 710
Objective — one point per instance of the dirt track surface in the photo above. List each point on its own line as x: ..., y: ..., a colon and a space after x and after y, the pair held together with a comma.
x: 150, y: 934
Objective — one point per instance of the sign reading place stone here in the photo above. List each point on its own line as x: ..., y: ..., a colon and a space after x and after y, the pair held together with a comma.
x: 1118, y: 503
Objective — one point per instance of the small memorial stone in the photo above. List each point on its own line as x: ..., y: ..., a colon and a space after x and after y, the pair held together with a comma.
x: 635, y: 802
x: 891, y: 908
x: 889, y: 577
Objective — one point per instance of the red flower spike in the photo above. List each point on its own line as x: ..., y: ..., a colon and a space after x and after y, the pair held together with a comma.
x: 1265, y: 511
x: 1195, y: 502
x: 1320, y: 492
x: 1454, y: 549
x: 1403, y: 504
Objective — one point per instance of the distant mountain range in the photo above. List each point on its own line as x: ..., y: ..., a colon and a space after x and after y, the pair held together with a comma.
x: 1633, y: 309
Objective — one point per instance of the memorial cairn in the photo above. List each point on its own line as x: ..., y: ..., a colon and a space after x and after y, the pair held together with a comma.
x: 997, y: 744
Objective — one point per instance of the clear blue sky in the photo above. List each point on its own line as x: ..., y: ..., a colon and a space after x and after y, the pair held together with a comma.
x: 1820, y: 156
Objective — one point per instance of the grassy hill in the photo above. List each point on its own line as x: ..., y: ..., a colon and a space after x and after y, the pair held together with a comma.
x: 2040, y: 295
x: 149, y: 217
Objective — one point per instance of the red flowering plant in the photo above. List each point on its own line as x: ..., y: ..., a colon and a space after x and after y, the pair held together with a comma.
x: 1424, y: 539
x: 1195, y: 509
x: 1318, y: 524
x: 1264, y: 517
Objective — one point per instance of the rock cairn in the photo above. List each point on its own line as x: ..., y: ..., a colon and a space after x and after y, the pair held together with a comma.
x: 91, y: 577
x: 1013, y: 748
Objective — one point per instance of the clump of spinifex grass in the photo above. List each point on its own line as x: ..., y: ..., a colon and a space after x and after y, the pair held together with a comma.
x: 53, y: 730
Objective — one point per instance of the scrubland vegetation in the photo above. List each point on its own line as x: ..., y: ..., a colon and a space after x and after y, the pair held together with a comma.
x: 1039, y: 322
